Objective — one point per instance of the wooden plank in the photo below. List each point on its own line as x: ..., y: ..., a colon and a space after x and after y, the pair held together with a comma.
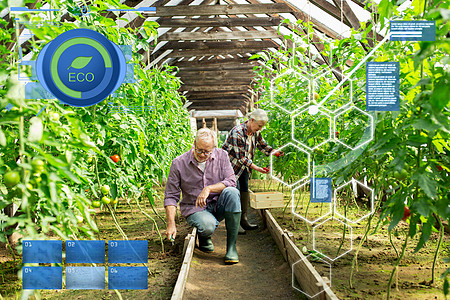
x: 266, y: 204
x: 241, y: 35
x: 213, y: 61
x: 207, y: 10
x: 174, y: 45
x: 220, y: 22
x: 227, y: 81
x: 331, y: 10
x: 208, y: 88
x: 308, y: 278
x: 180, y: 285
x: 276, y: 232
x: 210, y: 95
x: 209, y: 52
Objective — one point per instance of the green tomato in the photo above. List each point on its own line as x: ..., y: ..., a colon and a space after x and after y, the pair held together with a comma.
x: 79, y: 219
x: 106, y: 200
x: 105, y: 189
x: 37, y: 165
x: 90, y: 159
x: 11, y: 179
x: 402, y: 175
x: 96, y: 203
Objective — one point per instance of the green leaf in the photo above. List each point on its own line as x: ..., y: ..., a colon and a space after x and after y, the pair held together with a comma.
x: 426, y: 232
x: 80, y: 62
x: 422, y: 206
x: 446, y: 287
x: 427, y: 185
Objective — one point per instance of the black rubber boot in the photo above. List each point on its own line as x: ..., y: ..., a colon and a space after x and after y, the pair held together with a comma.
x: 245, y: 199
x: 232, y: 224
x: 205, y: 244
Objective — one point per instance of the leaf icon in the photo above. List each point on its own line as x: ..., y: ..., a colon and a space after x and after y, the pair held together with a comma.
x: 80, y: 62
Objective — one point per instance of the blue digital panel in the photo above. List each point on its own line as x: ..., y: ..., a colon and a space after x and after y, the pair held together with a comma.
x: 128, y: 252
x: 42, y: 278
x: 85, y: 278
x: 127, y: 278
x: 85, y: 251
x: 321, y: 190
x: 412, y: 30
x: 382, y: 86
x: 35, y: 251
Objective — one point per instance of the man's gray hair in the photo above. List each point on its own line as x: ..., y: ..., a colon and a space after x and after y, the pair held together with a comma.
x: 206, y: 134
x: 258, y: 115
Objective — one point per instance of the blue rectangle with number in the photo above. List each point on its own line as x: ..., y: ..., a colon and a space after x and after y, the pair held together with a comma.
x: 128, y: 252
x: 42, y: 278
x: 412, y: 30
x: 127, y: 278
x: 42, y: 251
x: 85, y: 252
x: 85, y: 278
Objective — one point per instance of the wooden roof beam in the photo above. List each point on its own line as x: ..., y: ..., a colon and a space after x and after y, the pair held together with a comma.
x: 219, y: 22
x: 208, y: 10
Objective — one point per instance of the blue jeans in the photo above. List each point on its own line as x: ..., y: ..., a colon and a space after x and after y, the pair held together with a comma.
x: 207, y: 220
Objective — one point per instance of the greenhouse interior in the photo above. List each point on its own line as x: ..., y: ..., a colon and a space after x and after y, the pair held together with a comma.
x: 225, y: 149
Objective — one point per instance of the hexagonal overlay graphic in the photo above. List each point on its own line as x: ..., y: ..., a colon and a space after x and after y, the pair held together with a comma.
x: 290, y: 91
x: 332, y: 238
x: 353, y: 127
x: 311, y: 128
x: 323, y: 86
x: 321, y: 266
x: 353, y: 208
x: 280, y: 123
x: 303, y: 208
x: 283, y: 170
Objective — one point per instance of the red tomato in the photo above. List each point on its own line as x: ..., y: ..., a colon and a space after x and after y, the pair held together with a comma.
x: 115, y: 158
x: 336, y: 134
x: 439, y: 168
x: 406, y: 213
x: 277, y: 154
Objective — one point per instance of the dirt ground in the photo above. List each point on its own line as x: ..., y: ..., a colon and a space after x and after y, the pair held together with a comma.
x: 164, y: 267
x: 261, y: 272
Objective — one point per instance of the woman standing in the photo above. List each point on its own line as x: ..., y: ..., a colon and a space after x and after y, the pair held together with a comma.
x: 241, y: 145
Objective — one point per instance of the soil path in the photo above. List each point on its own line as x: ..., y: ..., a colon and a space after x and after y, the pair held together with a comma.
x: 261, y: 272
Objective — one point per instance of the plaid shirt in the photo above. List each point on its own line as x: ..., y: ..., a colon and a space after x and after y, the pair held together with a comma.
x: 237, y: 148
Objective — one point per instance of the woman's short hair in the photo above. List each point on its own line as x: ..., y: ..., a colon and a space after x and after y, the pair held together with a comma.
x: 206, y: 134
x: 259, y: 115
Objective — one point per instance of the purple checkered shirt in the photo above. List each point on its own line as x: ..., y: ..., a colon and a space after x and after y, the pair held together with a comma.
x: 186, y: 176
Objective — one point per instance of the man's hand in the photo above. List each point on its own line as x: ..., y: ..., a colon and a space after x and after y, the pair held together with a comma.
x: 171, y: 232
x: 201, y: 199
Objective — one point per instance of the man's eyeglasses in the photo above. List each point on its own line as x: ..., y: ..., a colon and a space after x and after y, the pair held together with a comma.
x: 204, y: 152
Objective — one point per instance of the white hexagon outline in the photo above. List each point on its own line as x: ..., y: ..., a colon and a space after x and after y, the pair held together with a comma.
x: 298, y: 181
x: 371, y: 127
x: 289, y: 71
x: 300, y: 216
x: 372, y: 209
x: 326, y: 286
x: 303, y: 145
x: 330, y: 94
x: 351, y: 238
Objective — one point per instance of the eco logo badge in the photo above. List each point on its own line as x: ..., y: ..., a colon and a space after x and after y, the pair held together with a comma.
x: 81, y: 67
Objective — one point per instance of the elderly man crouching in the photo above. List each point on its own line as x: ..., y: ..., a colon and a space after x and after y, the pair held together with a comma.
x: 206, y: 178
